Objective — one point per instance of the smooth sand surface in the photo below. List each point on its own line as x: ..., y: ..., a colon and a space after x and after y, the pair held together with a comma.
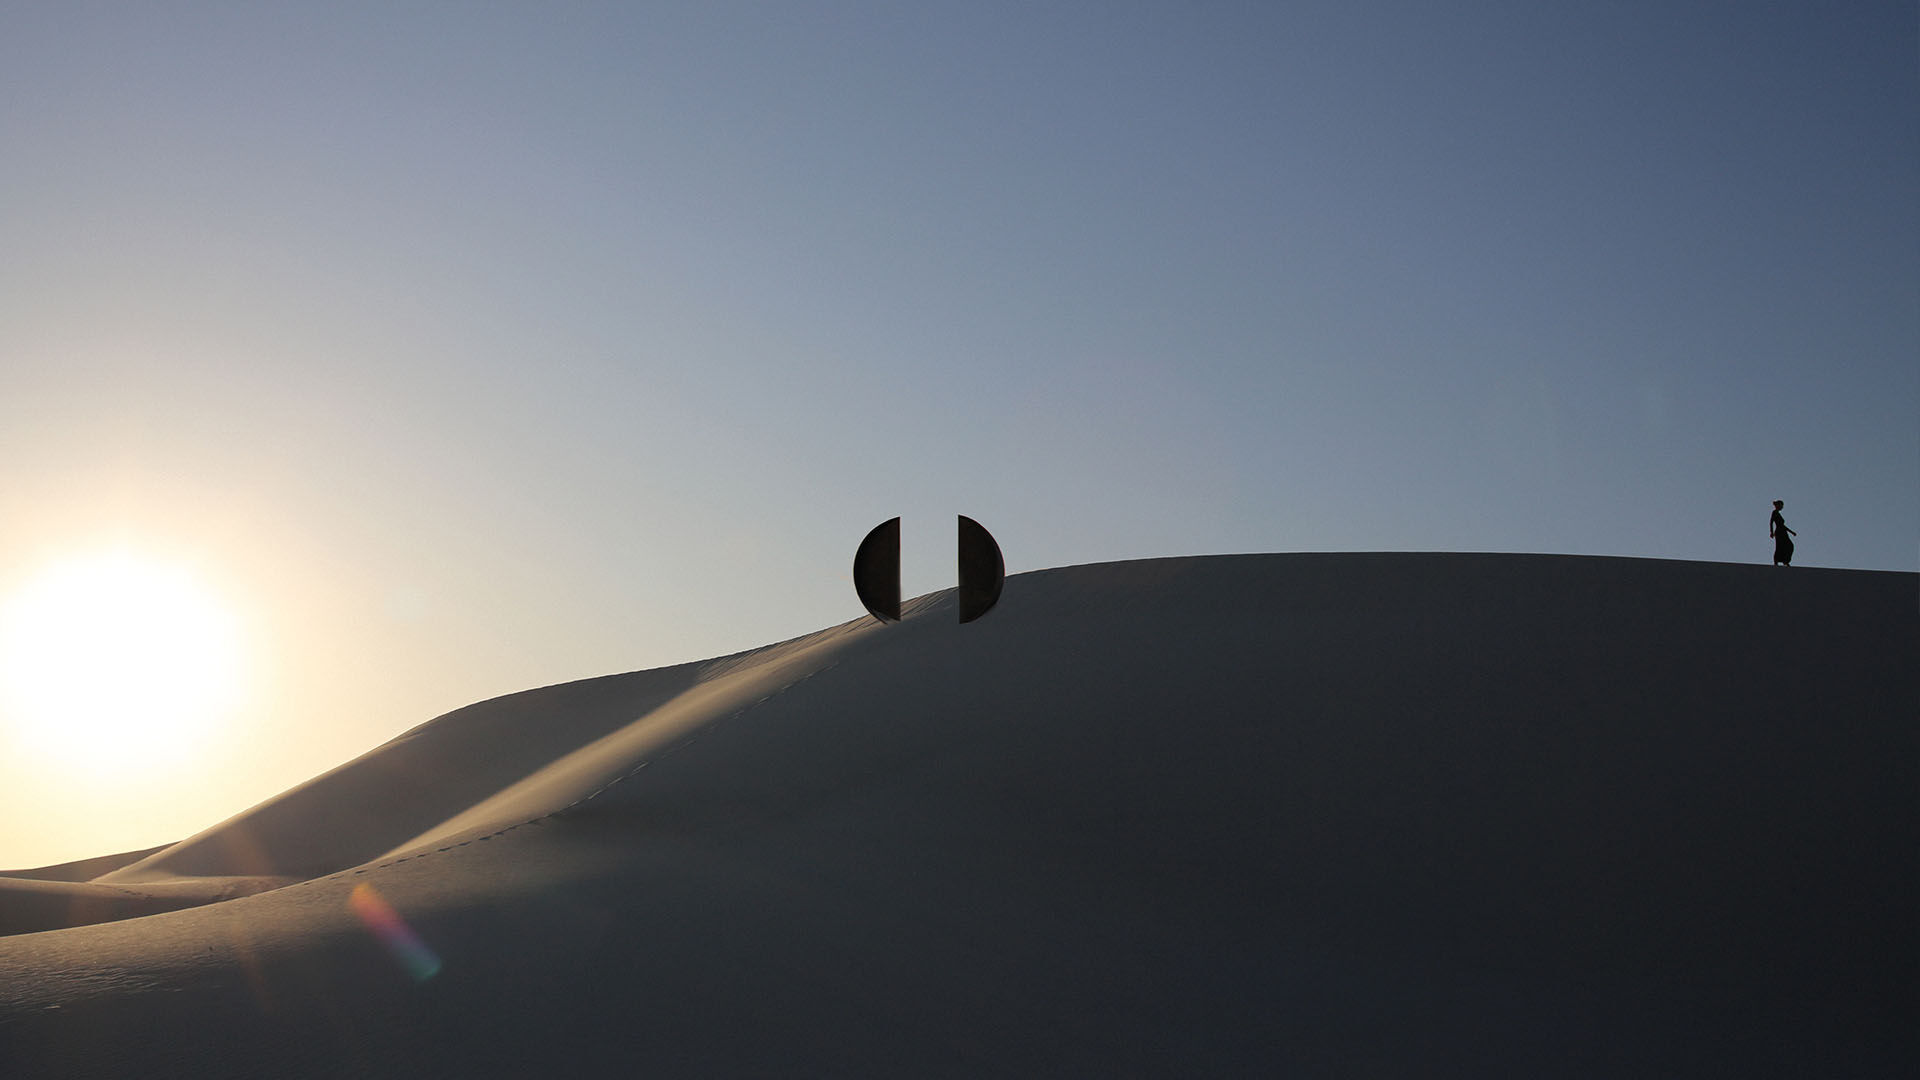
x: 1263, y: 815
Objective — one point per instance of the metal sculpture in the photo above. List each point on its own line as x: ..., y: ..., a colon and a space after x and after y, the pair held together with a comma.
x: 876, y: 570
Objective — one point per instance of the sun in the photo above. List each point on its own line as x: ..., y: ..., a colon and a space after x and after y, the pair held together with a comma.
x: 112, y: 662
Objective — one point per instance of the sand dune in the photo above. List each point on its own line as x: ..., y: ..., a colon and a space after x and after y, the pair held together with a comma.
x: 1242, y: 815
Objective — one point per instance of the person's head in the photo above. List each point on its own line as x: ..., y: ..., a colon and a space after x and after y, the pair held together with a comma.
x: 1779, y: 505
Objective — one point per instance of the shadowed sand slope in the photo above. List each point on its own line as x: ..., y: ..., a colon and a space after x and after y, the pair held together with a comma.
x: 1327, y: 814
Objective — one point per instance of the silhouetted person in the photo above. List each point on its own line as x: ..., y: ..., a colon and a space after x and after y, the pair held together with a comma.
x: 1782, y: 536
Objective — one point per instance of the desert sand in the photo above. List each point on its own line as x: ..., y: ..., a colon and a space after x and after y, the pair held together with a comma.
x: 1351, y: 814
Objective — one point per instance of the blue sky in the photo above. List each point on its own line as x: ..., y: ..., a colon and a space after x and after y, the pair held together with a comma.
x: 464, y: 348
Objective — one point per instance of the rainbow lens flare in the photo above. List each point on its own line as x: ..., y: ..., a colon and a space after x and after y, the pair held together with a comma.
x: 393, y: 932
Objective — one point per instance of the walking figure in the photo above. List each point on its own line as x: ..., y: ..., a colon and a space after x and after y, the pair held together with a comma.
x: 1782, y: 536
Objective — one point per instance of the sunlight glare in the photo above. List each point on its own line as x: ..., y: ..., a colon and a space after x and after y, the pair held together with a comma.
x: 112, y: 662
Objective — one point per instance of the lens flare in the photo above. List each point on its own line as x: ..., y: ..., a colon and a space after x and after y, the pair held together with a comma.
x: 392, y: 930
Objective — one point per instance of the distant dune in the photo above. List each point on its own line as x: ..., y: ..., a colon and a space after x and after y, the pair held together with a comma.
x: 1386, y: 814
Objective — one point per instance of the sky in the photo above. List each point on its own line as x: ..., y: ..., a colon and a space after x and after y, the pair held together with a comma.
x: 449, y: 350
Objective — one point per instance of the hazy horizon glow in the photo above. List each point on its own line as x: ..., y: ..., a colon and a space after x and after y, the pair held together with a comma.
x: 474, y: 350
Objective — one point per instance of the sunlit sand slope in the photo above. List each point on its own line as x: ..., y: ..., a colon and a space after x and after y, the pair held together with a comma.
x: 1244, y: 815
x: 495, y: 763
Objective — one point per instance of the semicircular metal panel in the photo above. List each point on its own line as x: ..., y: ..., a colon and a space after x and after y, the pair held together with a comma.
x: 876, y: 571
x: 983, y: 573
